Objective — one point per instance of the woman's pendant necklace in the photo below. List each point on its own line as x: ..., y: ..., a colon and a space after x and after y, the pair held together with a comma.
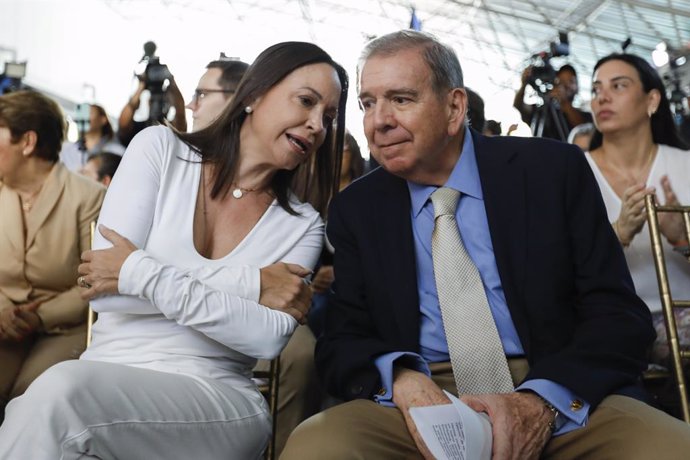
x: 238, y: 192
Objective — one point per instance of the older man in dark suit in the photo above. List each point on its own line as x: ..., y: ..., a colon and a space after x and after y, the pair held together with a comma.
x: 544, y: 265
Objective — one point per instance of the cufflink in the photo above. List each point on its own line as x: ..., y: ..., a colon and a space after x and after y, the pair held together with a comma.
x: 576, y: 405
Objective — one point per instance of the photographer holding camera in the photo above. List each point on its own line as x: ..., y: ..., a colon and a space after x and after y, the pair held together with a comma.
x: 164, y: 94
x: 561, y: 96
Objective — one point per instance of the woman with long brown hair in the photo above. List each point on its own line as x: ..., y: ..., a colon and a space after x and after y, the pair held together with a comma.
x: 217, y: 282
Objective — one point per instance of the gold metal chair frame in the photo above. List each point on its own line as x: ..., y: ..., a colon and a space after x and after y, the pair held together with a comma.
x: 271, y: 377
x: 270, y: 391
x: 667, y: 302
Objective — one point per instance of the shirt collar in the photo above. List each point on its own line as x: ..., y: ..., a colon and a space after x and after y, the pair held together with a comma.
x: 464, y: 178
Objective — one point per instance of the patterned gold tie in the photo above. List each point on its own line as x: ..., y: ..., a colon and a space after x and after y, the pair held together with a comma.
x: 476, y: 354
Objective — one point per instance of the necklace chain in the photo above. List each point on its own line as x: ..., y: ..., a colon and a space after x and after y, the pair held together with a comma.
x: 28, y: 203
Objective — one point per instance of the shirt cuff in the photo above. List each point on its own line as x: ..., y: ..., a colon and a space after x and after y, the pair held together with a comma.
x: 572, y: 410
x: 253, y: 284
x: 126, y: 282
x: 384, y: 364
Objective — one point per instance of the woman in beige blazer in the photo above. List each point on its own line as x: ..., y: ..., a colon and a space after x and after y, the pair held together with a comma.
x: 45, y: 212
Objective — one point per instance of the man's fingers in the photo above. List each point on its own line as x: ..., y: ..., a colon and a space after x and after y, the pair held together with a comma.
x: 474, y: 402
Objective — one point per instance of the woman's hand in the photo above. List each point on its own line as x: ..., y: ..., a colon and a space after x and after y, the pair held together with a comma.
x: 671, y: 223
x: 19, y: 321
x: 632, y: 216
x: 100, y: 269
x: 284, y: 288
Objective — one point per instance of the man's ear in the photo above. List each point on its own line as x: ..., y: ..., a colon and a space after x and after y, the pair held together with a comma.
x: 457, y: 109
x: 28, y: 142
x: 106, y: 180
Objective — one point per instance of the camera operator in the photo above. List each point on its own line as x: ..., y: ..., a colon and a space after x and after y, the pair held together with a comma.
x: 563, y: 93
x: 154, y: 79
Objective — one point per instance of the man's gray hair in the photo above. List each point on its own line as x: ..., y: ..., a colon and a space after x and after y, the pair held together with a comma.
x: 441, y: 59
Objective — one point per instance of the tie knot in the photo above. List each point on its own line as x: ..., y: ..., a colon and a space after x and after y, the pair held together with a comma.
x: 445, y: 201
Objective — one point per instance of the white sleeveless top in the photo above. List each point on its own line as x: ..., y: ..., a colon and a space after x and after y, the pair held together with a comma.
x: 676, y: 164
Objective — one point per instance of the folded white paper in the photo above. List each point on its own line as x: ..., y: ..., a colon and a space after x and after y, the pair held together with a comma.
x: 454, y: 431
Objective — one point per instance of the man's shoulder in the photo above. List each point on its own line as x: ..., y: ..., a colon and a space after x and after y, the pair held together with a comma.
x: 536, y: 148
x: 370, y: 193
x: 374, y: 182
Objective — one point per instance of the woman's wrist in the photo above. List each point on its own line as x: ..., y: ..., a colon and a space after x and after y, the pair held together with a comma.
x: 625, y: 242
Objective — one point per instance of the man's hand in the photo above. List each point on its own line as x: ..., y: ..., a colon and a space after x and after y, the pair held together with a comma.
x: 323, y: 279
x: 414, y: 389
x: 283, y: 288
x: 520, y: 423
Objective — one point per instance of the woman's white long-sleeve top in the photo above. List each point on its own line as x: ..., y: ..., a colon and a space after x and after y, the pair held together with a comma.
x: 179, y: 311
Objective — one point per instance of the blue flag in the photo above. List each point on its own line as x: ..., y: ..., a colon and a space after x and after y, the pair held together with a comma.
x: 415, y: 23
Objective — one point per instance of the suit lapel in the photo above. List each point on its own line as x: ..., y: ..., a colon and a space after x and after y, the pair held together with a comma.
x: 11, y: 225
x: 504, y: 188
x: 46, y: 201
x: 396, y: 246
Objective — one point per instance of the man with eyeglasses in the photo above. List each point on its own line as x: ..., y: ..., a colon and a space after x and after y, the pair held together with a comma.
x: 214, y: 91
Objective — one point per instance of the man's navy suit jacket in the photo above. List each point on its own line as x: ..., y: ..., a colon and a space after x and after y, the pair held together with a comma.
x: 561, y: 266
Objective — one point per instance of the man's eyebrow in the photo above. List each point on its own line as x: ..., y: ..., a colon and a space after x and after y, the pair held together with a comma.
x: 393, y: 92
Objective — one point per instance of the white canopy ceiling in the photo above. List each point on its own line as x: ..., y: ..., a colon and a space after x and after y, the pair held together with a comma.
x: 76, y: 47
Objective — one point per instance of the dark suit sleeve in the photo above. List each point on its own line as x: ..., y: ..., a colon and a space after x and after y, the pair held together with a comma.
x: 604, y: 348
x: 346, y: 351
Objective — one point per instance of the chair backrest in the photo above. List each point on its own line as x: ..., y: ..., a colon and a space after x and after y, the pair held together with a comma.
x: 269, y: 381
x: 667, y: 302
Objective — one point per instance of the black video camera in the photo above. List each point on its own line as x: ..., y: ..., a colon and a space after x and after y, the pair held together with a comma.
x: 153, y: 74
x: 543, y: 75
x: 156, y: 78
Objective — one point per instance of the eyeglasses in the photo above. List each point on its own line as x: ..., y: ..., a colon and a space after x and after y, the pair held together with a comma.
x: 200, y: 94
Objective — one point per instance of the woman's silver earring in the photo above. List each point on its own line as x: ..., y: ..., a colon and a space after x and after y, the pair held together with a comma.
x: 248, y: 109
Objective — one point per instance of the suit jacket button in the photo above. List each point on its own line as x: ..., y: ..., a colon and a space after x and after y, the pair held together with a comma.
x: 576, y: 405
x: 356, y: 389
